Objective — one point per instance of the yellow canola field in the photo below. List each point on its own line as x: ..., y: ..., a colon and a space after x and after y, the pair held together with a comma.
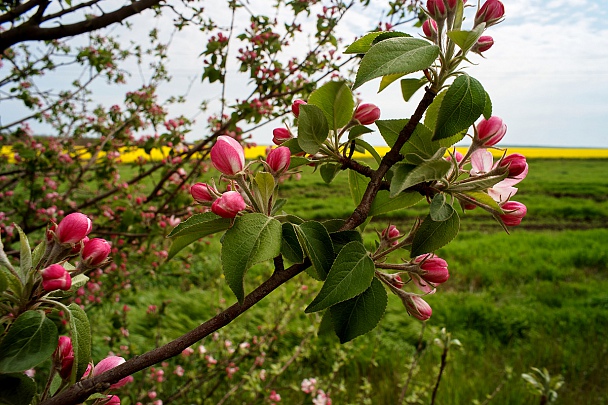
x: 128, y: 155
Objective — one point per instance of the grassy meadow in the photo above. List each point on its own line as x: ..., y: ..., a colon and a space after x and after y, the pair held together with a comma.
x: 535, y: 298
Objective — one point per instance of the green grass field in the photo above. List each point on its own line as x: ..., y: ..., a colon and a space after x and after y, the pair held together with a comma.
x: 535, y: 298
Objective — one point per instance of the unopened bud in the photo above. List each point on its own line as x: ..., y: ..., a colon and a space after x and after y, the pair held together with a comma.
x: 56, y: 277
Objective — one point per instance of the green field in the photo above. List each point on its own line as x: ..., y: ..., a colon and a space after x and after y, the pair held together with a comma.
x: 535, y: 298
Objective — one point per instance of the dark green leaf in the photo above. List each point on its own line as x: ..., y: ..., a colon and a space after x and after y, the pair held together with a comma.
x: 406, y: 175
x: 433, y: 235
x: 317, y: 245
x: 357, y: 183
x: 350, y: 275
x: 383, y: 203
x: 466, y: 39
x: 361, y: 314
x: 16, y: 389
x: 336, y: 101
x: 329, y: 171
x: 25, y: 257
x: 290, y: 247
x: 463, y: 103
x: 294, y: 146
x: 363, y: 44
x: 31, y: 339
x: 440, y: 209
x: 312, y: 128
x: 396, y: 55
x: 487, y: 109
x: 253, y: 238
x: 81, y: 341
x: 357, y: 131
x: 297, y: 161
x: 343, y: 238
x: 410, y: 86
x: 194, y: 228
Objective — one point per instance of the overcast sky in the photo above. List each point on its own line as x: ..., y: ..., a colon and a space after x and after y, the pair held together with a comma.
x: 547, y: 73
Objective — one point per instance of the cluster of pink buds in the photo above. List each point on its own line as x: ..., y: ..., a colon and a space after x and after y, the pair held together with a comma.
x: 439, y: 11
x: 66, y: 240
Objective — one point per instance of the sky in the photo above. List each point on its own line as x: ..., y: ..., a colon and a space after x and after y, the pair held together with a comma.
x: 547, y: 73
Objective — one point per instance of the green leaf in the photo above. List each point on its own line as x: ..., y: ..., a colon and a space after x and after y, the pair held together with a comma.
x: 463, y: 103
x: 312, y: 128
x: 329, y: 171
x: 294, y: 147
x: 430, y: 121
x: 333, y: 225
x: 25, y: 256
x: 388, y: 79
x: 297, y: 161
x: 194, y: 228
x: 264, y: 188
x: 3, y: 281
x: 81, y: 341
x: 417, y: 148
x: 396, y: 55
x: 407, y: 175
x: 372, y: 151
x: 357, y: 131
x: 487, y: 109
x: 363, y: 44
x: 253, y: 238
x: 383, y: 203
x: 343, y: 238
x: 38, y: 252
x: 361, y: 314
x: 357, y: 183
x: 435, y: 234
x: 350, y: 275
x: 317, y: 245
x: 326, y: 326
x: 16, y: 389
x: 484, y: 199
x: 31, y: 339
x: 410, y: 86
x: 336, y: 101
x: 440, y: 209
x: 290, y: 246
x: 466, y: 39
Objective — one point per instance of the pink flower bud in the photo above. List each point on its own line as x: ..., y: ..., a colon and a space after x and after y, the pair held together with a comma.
x: 430, y: 29
x: 228, y: 205
x: 295, y: 107
x: 279, y: 159
x: 514, y: 213
x: 109, y: 363
x: 483, y: 44
x: 55, y: 277
x: 64, y: 357
x: 367, y: 114
x: 391, y: 233
x: 491, y: 12
x: 434, y: 269
x: 280, y: 135
x: 274, y: 396
x: 490, y: 132
x: 112, y: 400
x: 202, y: 193
x: 417, y: 307
x: 95, y: 252
x: 73, y: 228
x: 517, y: 165
x: 459, y: 156
x: 436, y: 9
x: 227, y: 155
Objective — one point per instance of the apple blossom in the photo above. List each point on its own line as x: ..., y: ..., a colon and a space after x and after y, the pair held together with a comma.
x: 367, y: 114
x: 490, y: 132
x: 227, y: 155
x: 514, y: 212
x: 279, y: 159
x: 109, y: 363
x: 56, y: 277
x: 73, y: 228
x: 95, y: 252
x: 228, y: 204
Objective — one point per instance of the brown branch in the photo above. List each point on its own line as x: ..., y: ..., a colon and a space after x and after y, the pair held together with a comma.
x: 29, y: 31
x: 69, y: 10
x: 18, y: 11
x: 360, y: 213
x: 79, y: 392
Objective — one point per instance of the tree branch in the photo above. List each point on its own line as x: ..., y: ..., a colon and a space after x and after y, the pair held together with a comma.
x: 33, y: 32
x: 21, y: 9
